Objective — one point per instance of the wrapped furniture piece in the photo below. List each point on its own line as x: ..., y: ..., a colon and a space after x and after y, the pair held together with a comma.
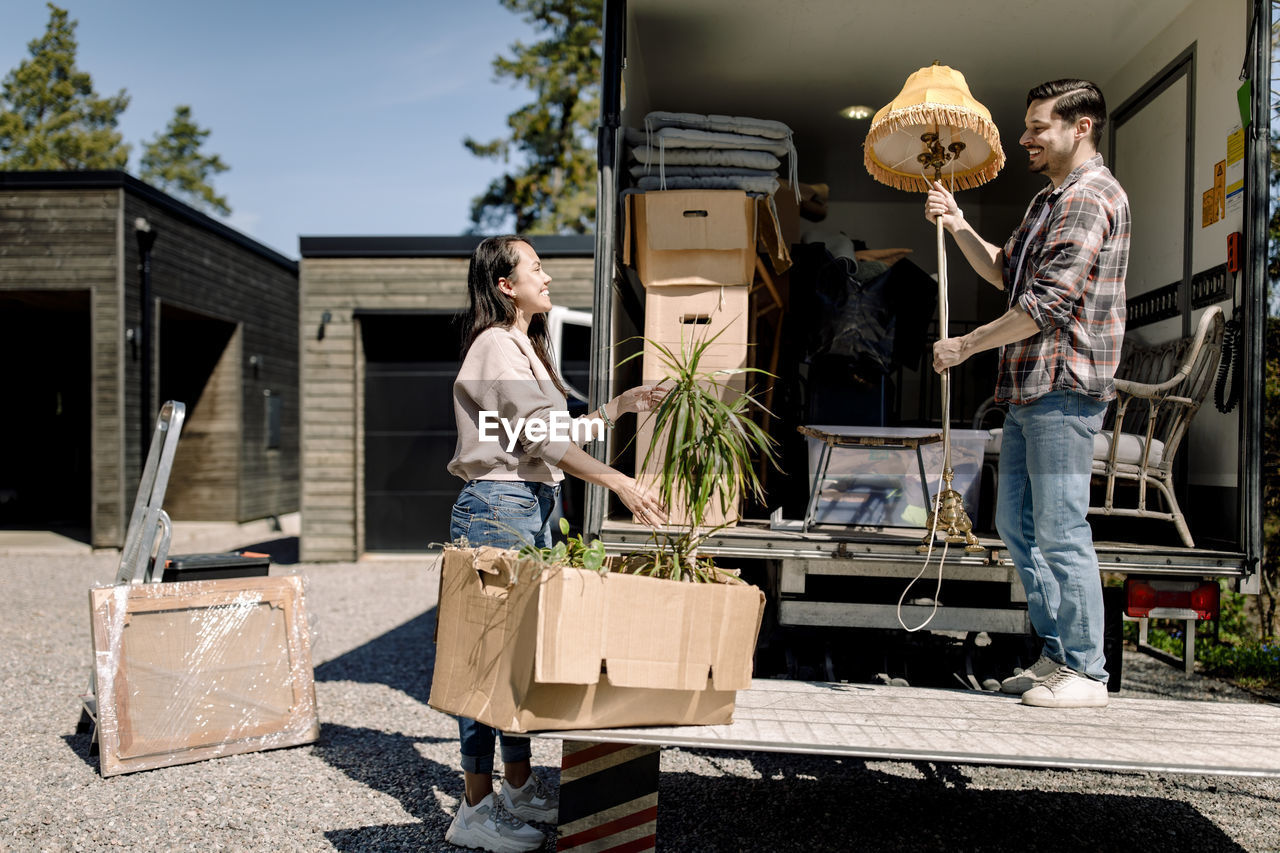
x: 200, y: 669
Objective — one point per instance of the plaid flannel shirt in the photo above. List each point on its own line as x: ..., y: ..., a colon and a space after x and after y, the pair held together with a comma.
x: 1071, y: 285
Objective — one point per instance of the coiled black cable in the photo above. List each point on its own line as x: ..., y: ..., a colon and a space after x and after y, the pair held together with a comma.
x: 1226, y: 391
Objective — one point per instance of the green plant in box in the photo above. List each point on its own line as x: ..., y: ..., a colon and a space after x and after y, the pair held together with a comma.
x: 706, y: 440
x: 572, y: 552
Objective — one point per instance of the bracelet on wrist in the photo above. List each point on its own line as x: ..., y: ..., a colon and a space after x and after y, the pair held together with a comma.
x: 604, y: 414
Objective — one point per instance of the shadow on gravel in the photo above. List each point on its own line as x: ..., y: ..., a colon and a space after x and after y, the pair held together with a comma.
x: 816, y: 803
x: 390, y: 763
x: 402, y: 658
x: 81, y: 743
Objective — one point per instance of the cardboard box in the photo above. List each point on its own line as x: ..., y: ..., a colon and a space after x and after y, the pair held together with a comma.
x: 682, y: 237
x: 523, y: 647
x: 880, y: 487
x: 794, y: 216
x: 654, y: 366
x: 694, y: 313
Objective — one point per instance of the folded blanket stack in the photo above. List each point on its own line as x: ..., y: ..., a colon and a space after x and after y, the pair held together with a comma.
x: 678, y: 151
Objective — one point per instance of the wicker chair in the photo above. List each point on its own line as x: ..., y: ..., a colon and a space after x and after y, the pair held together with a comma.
x: 1158, y: 391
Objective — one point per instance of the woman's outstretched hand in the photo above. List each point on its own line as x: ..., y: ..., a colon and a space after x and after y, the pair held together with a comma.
x: 642, y: 398
x: 643, y: 502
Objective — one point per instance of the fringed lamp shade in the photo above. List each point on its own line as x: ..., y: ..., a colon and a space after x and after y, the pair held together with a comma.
x: 935, y: 100
x: 935, y: 130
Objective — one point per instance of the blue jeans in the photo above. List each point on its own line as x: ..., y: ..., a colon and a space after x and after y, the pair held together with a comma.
x: 505, y: 514
x: 1042, y: 502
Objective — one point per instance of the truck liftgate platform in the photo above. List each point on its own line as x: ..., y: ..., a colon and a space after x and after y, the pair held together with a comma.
x: 609, y: 777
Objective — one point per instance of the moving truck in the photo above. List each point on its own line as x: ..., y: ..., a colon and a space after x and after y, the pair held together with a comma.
x: 1187, y: 85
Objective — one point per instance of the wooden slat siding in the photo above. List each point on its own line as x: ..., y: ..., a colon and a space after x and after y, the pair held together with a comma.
x: 332, y: 383
x: 203, y: 272
x: 58, y: 240
x: 204, y: 482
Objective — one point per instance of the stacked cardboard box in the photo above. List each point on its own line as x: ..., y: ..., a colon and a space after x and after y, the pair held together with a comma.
x: 695, y: 253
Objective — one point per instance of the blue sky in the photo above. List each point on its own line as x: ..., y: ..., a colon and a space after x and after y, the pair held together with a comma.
x: 336, y: 118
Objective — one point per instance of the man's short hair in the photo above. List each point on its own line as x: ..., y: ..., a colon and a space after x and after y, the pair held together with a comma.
x: 1074, y: 99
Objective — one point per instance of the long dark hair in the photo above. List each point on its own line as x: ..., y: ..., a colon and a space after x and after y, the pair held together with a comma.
x: 487, y: 306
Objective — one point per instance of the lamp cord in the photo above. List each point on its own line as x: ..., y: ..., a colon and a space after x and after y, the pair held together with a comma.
x: 937, y: 593
x: 937, y: 500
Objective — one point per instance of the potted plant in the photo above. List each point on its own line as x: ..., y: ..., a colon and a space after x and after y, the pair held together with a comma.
x: 706, y: 441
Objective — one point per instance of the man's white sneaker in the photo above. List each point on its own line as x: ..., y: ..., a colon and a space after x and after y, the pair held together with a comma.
x: 1023, y: 680
x: 489, y: 826
x: 1067, y: 688
x: 531, y: 801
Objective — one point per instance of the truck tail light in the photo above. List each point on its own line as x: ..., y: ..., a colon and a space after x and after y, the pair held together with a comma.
x: 1170, y: 599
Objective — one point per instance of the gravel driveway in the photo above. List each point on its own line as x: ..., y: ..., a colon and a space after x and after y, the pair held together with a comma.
x: 382, y: 775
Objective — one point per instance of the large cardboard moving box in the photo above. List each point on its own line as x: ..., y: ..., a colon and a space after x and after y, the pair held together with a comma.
x: 688, y: 314
x: 521, y: 646
x: 683, y: 237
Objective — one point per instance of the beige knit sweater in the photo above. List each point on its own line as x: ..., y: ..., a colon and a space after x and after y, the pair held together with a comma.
x: 502, y: 395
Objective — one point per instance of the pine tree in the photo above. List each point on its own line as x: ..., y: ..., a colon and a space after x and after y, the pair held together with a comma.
x: 172, y: 162
x: 555, y: 189
x: 50, y: 115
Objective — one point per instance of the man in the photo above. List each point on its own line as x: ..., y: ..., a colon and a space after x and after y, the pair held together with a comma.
x: 1064, y: 271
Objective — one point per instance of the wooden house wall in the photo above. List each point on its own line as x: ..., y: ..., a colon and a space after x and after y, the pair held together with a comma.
x: 205, y: 482
x: 332, y: 501
x: 201, y: 271
x: 71, y: 240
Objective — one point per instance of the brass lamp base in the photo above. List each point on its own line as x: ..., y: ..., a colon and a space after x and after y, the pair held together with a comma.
x: 952, y: 521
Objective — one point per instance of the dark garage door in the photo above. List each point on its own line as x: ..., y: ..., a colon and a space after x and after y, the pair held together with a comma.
x: 45, y: 467
x: 410, y: 365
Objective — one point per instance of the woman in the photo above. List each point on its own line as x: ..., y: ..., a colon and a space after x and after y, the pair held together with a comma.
x: 514, y: 442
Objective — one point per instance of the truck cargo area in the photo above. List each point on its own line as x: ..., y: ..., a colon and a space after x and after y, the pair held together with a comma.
x: 1171, y: 73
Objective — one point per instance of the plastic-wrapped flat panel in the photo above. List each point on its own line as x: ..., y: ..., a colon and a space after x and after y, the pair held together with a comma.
x: 195, y: 670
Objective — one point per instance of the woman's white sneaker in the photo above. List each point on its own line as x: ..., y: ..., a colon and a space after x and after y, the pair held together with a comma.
x: 531, y: 801
x: 489, y: 826
x: 1067, y: 688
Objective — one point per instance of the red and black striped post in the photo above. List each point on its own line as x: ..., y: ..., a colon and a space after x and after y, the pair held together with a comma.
x: 608, y: 797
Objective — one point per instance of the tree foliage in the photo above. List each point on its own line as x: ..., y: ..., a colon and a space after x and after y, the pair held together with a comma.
x: 553, y: 189
x: 1271, y: 482
x: 172, y: 161
x: 51, y: 116
x: 1270, y: 574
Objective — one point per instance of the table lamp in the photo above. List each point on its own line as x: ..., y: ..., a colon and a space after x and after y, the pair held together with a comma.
x: 935, y: 130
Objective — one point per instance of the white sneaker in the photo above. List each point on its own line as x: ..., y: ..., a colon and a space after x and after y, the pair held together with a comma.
x: 1067, y: 688
x: 531, y: 801
x: 489, y: 826
x: 1024, y: 679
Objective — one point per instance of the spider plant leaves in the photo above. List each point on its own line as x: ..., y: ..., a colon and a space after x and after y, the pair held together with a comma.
x: 703, y: 434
